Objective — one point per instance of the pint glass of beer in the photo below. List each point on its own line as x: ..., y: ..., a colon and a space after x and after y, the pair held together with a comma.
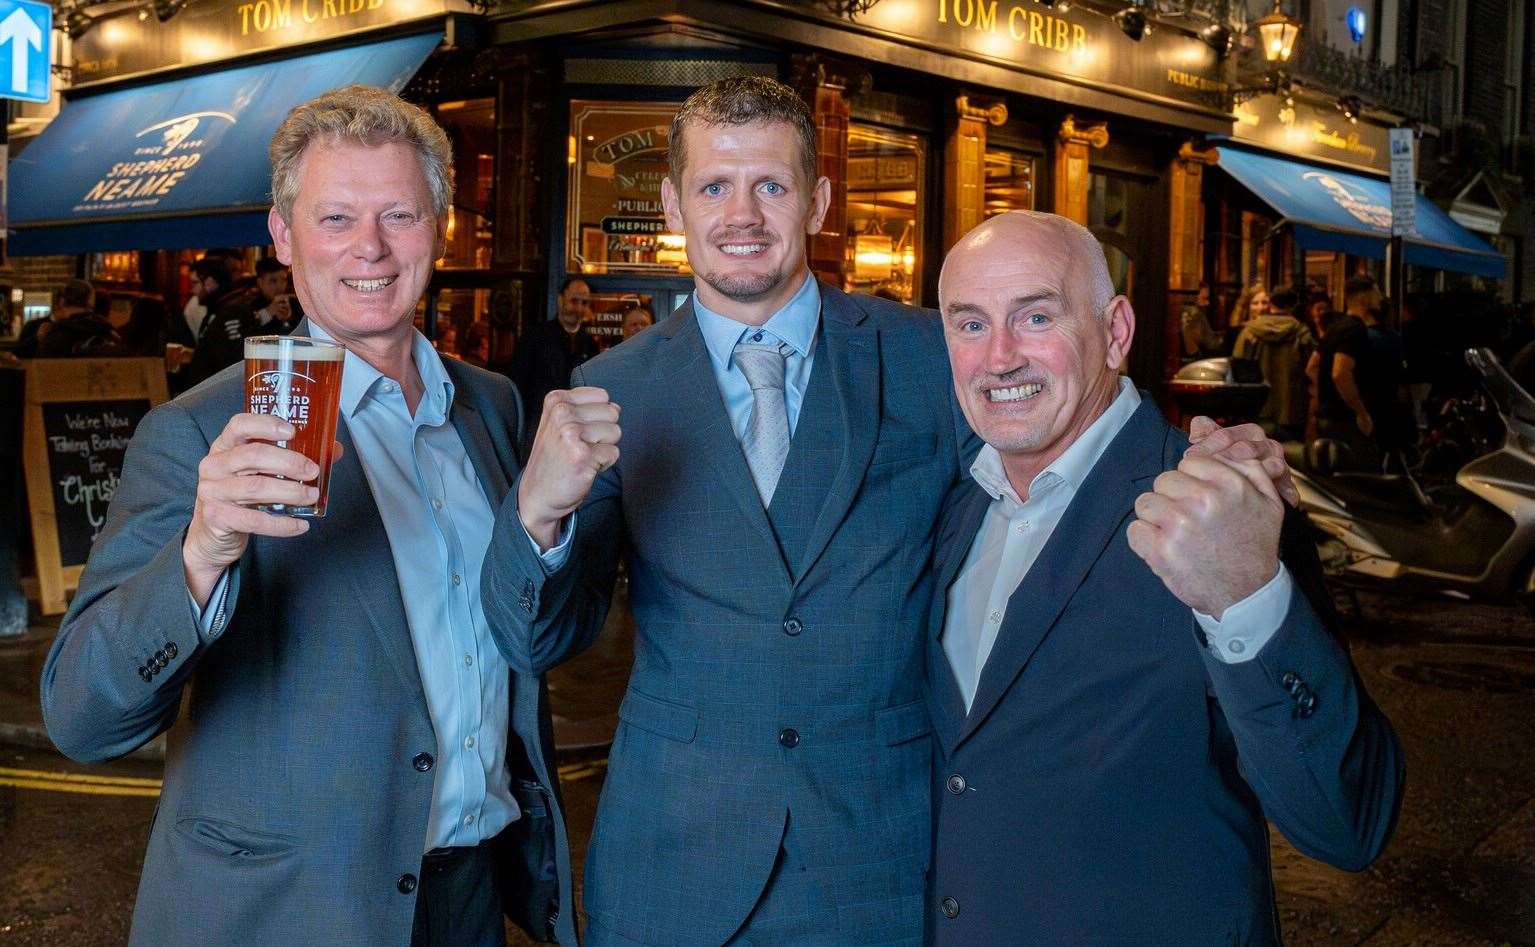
x: 297, y: 379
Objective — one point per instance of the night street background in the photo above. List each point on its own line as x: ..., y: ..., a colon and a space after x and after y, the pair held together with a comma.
x: 1457, y: 680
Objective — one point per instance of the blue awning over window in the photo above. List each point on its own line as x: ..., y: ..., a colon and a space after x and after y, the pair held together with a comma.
x: 182, y: 163
x: 1331, y: 209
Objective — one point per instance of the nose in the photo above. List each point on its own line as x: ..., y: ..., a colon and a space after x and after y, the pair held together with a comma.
x: 742, y: 209
x: 368, y: 243
x: 1003, y: 354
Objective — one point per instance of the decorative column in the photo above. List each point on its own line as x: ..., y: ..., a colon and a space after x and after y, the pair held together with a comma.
x: 825, y: 84
x: 964, y: 183
x: 1071, y: 165
x: 1187, y: 217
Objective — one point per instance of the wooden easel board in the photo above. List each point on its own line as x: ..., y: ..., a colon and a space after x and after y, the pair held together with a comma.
x: 80, y: 414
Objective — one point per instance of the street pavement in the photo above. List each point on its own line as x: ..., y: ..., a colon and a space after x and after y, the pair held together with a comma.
x: 1457, y: 680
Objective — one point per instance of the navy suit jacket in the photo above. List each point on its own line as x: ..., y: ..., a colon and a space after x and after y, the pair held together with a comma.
x: 778, y: 681
x: 1111, y: 781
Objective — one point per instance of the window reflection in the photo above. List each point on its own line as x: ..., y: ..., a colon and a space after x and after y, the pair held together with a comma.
x: 1009, y: 182
x: 884, y: 192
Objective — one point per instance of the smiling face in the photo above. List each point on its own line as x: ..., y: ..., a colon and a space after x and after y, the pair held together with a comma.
x: 361, y: 240
x: 745, y: 208
x: 1035, y: 357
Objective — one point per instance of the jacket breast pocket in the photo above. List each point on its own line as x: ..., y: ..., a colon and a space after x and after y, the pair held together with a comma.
x: 662, y: 717
x: 902, y: 723
x: 903, y: 449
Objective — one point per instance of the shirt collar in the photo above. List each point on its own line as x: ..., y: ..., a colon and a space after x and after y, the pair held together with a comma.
x: 794, y: 324
x: 1074, y: 464
x: 359, y: 380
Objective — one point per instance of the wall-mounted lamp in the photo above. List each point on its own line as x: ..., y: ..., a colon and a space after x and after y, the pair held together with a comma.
x: 1133, y: 23
x: 1277, y: 33
x: 1218, y: 37
x: 165, y: 9
x: 1351, y: 107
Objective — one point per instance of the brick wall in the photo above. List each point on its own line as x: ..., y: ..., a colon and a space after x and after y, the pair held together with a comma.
x: 1486, y: 54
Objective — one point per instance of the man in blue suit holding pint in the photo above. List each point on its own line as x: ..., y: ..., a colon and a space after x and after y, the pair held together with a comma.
x: 1126, y: 682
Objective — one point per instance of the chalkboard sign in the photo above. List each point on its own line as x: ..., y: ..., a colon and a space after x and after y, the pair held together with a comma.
x: 81, y: 414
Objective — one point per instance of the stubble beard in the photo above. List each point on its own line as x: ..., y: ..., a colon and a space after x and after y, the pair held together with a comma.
x: 744, y: 288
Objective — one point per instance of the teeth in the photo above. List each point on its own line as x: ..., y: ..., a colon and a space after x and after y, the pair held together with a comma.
x: 369, y: 285
x: 745, y: 250
x: 1018, y: 393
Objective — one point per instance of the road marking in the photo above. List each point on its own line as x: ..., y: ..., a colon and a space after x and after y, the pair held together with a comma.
x: 92, y: 785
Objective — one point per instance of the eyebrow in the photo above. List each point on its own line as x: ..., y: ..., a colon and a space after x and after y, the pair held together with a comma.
x: 1014, y: 304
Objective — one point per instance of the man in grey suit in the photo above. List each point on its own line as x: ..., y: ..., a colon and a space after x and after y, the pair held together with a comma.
x: 354, y: 762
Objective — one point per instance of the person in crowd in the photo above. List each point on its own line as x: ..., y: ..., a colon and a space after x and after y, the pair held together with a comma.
x: 1199, y: 339
x: 474, y: 344
x: 556, y: 347
x: 1251, y: 303
x: 221, y: 337
x: 1281, y: 345
x: 72, y: 330
x: 351, y: 760
x: 143, y: 334
x: 271, y: 303
x: 194, y: 312
x: 786, y: 449
x: 636, y: 320
x: 1357, y: 374
x: 1128, y: 684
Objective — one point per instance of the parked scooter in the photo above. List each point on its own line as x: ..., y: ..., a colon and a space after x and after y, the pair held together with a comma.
x: 1474, y: 538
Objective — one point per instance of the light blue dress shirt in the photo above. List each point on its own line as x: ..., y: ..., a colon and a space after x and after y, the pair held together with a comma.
x: 794, y: 324
x: 439, y: 520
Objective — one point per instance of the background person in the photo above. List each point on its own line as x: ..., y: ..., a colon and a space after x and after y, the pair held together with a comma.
x: 556, y: 347
x: 1281, y: 345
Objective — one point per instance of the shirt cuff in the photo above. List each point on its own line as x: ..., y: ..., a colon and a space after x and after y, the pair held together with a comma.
x: 212, y: 618
x: 1242, y: 631
x: 554, y: 558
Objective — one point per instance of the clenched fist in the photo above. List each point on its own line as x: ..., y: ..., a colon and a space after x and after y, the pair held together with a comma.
x: 577, y: 439
x: 1210, y: 531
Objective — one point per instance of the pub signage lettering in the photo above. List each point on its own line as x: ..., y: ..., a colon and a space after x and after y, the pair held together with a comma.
x: 211, y: 30
x: 1314, y: 131
x: 1169, y: 63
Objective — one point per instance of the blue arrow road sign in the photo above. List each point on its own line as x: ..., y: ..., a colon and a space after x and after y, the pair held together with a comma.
x: 26, y: 50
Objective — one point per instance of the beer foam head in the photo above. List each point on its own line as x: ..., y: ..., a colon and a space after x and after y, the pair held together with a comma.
x: 293, y: 348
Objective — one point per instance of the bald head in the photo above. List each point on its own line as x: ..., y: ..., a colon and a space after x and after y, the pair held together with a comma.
x: 1071, y: 247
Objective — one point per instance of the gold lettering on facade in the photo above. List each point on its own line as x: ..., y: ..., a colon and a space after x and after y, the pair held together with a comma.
x: 1023, y: 25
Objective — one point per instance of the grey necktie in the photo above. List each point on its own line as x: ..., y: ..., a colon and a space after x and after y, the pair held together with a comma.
x: 767, y: 431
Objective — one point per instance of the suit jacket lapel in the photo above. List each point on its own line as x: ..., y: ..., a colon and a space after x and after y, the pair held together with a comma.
x: 852, y: 348
x: 476, y: 437
x: 702, y: 428
x: 353, y: 513
x: 1095, y: 516
x: 946, y: 705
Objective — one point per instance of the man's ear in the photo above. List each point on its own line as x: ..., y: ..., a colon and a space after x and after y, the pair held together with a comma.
x: 282, y: 237
x: 820, y: 202
x: 671, y: 205
x: 1120, y: 319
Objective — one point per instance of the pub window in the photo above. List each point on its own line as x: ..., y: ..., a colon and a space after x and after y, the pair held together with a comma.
x: 884, y: 225
x: 471, y: 129
x: 1009, y: 182
x: 617, y: 157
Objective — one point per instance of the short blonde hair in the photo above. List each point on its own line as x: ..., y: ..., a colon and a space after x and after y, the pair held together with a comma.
x: 364, y: 115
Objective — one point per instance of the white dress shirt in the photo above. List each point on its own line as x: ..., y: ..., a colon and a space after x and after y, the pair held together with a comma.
x: 1014, y: 532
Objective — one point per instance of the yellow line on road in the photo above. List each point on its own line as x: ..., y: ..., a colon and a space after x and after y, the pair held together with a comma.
x: 91, y: 778
x: 89, y: 789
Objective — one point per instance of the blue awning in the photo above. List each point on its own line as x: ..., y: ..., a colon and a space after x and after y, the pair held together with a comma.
x: 182, y: 163
x: 1330, y: 209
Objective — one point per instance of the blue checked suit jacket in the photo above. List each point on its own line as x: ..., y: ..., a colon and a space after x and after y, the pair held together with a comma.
x: 807, y: 616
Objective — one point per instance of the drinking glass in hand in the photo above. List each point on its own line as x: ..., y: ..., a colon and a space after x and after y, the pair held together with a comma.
x: 297, y: 379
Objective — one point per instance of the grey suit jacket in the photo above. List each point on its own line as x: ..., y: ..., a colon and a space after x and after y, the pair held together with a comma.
x: 294, y: 800
x: 778, y: 676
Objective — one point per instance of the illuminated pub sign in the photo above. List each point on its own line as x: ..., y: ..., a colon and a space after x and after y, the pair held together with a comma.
x: 120, y: 44
x: 1168, y: 64
x: 617, y: 156
x: 1305, y: 130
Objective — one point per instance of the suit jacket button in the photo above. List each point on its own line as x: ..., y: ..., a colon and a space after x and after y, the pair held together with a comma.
x: 144, y: 673
x: 789, y: 737
x: 956, y: 784
x: 950, y: 908
x: 1292, y: 682
x: 171, y: 649
x: 793, y: 626
x: 406, y: 884
x: 422, y: 762
x: 1307, y: 702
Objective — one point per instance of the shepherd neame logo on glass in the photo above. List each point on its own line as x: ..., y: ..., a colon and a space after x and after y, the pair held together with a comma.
x: 164, y: 153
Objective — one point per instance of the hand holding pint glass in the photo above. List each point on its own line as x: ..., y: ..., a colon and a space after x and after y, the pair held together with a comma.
x: 268, y: 471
